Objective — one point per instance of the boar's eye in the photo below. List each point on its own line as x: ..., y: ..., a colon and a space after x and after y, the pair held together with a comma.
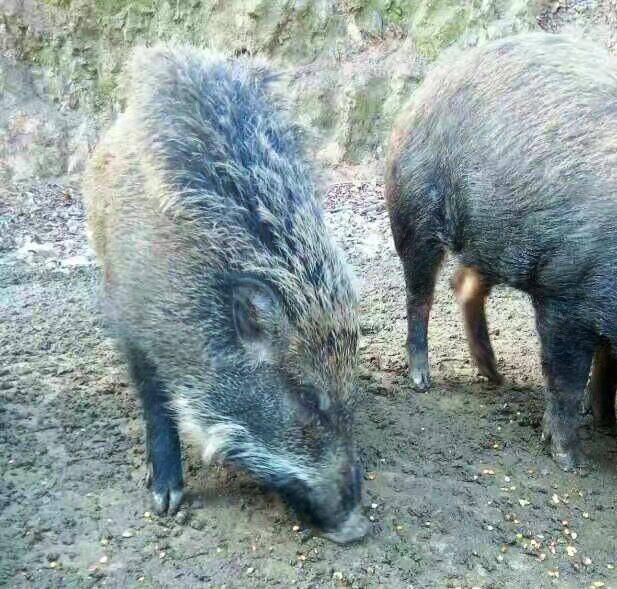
x: 313, y: 401
x: 308, y: 397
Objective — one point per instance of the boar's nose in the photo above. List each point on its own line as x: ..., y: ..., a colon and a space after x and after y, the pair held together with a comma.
x: 353, y: 529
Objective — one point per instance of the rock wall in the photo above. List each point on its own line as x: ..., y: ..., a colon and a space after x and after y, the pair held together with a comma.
x: 351, y: 64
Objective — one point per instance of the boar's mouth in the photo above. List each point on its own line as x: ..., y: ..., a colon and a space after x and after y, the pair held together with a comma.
x: 353, y: 529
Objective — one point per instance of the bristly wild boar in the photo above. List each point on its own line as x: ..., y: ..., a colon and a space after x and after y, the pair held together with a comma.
x: 235, y: 307
x: 507, y: 156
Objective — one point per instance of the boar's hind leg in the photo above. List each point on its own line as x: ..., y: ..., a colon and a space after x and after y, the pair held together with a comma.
x: 471, y: 292
x: 567, y: 350
x: 603, y: 385
x: 162, y: 439
x: 420, y: 276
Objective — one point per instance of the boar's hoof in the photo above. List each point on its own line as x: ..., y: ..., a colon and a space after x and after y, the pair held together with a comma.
x: 571, y: 460
x: 420, y: 379
x: 569, y: 455
x: 494, y: 378
x: 167, y: 501
x: 353, y: 529
x: 167, y: 491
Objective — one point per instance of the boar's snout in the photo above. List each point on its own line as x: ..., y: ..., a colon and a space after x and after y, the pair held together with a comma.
x: 355, y: 526
x: 353, y: 529
x: 332, y: 506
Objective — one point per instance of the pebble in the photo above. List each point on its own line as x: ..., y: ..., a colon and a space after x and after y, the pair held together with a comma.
x: 586, y: 561
x: 127, y: 534
x: 181, y: 516
x: 104, y: 559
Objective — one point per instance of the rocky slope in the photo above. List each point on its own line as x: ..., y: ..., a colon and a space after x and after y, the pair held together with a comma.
x: 350, y: 63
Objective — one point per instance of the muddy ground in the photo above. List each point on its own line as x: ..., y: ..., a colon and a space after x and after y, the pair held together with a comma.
x: 459, y: 488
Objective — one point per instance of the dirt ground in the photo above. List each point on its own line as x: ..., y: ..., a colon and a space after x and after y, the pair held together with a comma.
x: 458, y: 486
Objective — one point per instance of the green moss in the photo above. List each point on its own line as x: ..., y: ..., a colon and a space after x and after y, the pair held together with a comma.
x: 105, y: 91
x: 109, y: 7
x: 365, y: 125
x: 58, y: 3
x: 438, y: 24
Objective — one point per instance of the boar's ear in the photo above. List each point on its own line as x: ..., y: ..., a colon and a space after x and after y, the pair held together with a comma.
x: 256, y: 312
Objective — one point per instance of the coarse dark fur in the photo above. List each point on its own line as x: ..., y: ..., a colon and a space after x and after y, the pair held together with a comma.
x: 507, y: 156
x: 234, y: 305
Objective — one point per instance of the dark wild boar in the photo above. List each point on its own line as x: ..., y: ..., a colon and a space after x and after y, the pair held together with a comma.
x: 233, y: 304
x: 507, y: 157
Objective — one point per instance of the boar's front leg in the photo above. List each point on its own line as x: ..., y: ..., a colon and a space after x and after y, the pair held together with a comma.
x: 162, y: 439
x: 567, y: 350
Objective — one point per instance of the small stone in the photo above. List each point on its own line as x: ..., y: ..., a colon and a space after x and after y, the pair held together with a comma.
x: 586, y: 561
x: 610, y: 567
x: 127, y: 534
x: 555, y: 498
x: 373, y: 505
x: 574, y: 535
x: 585, y: 514
x: 571, y: 550
x: 250, y: 571
x: 104, y: 559
x: 296, y: 528
x: 147, y: 514
x: 53, y: 564
x: 542, y: 557
x: 181, y: 517
x: 523, y: 502
x: 337, y: 576
x: 598, y: 584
